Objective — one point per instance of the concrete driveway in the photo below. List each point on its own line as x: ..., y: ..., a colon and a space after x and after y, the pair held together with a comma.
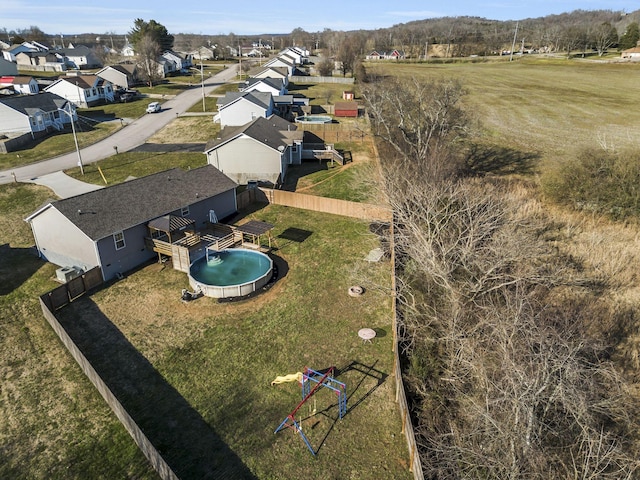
x: 127, y: 138
x: 63, y: 185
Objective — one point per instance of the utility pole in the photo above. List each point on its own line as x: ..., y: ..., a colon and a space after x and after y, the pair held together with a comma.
x: 75, y: 139
x: 513, y: 45
x: 204, y: 108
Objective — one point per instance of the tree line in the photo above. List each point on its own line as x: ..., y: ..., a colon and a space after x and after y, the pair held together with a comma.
x: 508, y: 349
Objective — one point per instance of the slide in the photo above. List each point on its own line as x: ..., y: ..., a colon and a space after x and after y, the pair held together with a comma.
x: 287, y: 378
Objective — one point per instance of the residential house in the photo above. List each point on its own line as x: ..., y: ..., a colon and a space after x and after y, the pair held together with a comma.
x: 290, y: 106
x: 271, y: 72
x: 127, y: 50
x: 281, y: 62
x: 36, y: 46
x: 41, y: 61
x: 632, y: 53
x: 124, y: 75
x: 392, y: 55
x: 7, y: 67
x: 20, y: 84
x: 34, y: 114
x: 298, y: 54
x: 107, y: 227
x: 83, y: 90
x: 274, y: 86
x: 260, y: 150
x: 239, y: 108
x: 78, y: 58
x: 175, y: 62
x: 233, y: 51
x: 205, y: 53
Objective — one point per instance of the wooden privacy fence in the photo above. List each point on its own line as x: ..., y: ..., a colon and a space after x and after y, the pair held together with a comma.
x: 335, y: 133
x: 312, y: 79
x: 130, y: 425
x: 64, y: 294
x: 363, y: 211
x: 415, y: 464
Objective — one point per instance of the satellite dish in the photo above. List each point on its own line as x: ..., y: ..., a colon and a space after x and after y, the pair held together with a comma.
x: 281, y: 148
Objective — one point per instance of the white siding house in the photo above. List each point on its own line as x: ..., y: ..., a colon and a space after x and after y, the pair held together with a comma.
x: 83, y: 90
x: 32, y: 114
x: 261, y: 150
x: 240, y: 108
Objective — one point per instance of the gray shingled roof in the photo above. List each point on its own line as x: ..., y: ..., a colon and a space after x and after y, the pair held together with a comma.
x: 46, y: 101
x: 274, y: 131
x: 276, y: 83
x: 78, y: 51
x: 262, y: 99
x: 112, y: 209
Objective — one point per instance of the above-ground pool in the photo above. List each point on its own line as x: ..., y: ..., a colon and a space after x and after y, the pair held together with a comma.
x: 314, y: 119
x: 230, y: 273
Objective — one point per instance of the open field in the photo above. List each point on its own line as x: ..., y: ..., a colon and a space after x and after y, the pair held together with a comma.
x: 546, y: 107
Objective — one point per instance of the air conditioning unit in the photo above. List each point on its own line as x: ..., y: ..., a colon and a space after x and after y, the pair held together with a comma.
x: 65, y: 274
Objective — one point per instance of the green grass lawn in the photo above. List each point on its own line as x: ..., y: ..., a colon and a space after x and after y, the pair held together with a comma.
x: 321, y: 93
x: 214, y: 361
x: 219, y: 359
x: 118, y: 168
x: 88, y: 133
x: 53, y: 423
x: 210, y: 105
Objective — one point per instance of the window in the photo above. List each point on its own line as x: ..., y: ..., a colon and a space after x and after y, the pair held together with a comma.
x: 118, y: 239
x: 184, y: 211
x: 294, y: 148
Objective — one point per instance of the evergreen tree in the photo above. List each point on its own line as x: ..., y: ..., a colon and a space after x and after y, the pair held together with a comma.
x: 151, y: 30
x: 630, y: 37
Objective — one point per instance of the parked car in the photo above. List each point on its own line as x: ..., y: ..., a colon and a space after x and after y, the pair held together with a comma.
x: 127, y: 96
x: 153, y: 107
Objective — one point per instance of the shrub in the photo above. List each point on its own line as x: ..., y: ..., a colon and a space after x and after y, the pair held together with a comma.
x: 596, y: 180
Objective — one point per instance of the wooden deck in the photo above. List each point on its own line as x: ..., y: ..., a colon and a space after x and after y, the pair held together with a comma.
x: 217, y: 236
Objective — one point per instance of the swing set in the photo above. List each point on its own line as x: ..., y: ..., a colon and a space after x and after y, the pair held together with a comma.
x: 308, y: 377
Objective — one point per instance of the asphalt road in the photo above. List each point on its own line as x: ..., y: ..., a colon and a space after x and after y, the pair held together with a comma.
x: 127, y: 138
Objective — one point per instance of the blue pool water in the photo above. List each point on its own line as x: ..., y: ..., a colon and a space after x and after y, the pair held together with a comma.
x: 231, y: 267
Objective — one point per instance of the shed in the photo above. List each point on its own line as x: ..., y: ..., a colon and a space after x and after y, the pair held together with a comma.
x: 346, y: 109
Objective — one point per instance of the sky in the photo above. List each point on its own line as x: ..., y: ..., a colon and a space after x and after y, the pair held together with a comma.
x: 250, y: 17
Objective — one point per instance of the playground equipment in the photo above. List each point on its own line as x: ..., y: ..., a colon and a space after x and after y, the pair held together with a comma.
x: 320, y: 380
x: 287, y: 378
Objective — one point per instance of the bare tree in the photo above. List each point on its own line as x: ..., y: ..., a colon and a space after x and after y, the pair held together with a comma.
x: 511, y: 379
x: 604, y: 37
x: 420, y: 121
x: 325, y: 67
x: 148, y: 52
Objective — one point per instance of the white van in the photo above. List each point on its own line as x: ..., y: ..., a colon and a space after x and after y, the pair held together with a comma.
x: 153, y: 107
